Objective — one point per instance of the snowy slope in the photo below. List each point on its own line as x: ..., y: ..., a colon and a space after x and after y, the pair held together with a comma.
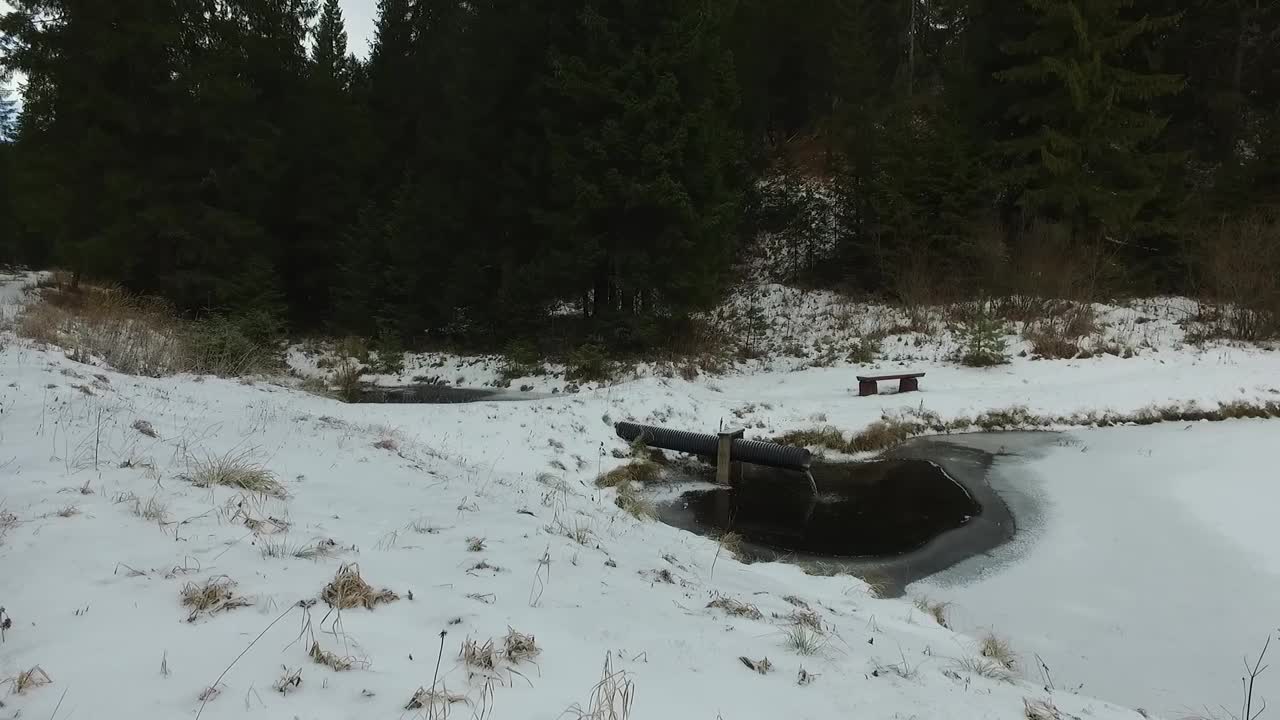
x: 93, y: 588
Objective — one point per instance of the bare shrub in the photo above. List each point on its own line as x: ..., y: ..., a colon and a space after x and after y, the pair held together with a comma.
x: 1236, y: 265
x: 347, y: 378
x: 349, y: 590
x: 1046, y: 261
x: 138, y: 335
x: 134, y: 335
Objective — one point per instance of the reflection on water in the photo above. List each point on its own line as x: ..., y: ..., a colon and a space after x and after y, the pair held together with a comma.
x: 875, y: 509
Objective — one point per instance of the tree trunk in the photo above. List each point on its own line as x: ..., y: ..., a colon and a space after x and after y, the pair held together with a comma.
x: 601, y: 299
x: 911, y: 52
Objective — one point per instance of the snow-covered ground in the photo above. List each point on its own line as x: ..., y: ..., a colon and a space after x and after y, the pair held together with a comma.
x: 785, y: 330
x: 93, y: 586
x: 1153, y: 568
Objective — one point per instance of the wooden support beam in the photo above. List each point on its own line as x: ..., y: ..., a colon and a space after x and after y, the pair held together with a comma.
x: 724, y: 466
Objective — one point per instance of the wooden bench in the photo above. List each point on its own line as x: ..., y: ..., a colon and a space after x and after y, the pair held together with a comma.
x: 907, y: 382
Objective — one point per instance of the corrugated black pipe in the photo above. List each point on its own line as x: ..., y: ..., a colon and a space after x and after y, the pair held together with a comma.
x: 749, y: 451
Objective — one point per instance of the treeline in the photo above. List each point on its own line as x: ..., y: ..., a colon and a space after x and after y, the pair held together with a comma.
x: 493, y: 163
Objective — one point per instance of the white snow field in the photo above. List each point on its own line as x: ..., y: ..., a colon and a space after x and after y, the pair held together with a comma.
x: 483, y: 519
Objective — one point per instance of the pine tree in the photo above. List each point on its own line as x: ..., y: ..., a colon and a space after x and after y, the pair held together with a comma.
x: 1084, y: 152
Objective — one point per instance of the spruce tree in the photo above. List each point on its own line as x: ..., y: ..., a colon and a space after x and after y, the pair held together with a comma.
x: 1083, y: 152
x: 97, y: 132
x: 326, y: 173
x: 644, y: 157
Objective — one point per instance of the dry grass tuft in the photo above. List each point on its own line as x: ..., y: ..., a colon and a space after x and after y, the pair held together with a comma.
x: 938, y: 610
x: 8, y: 521
x: 643, y: 472
x: 67, y: 511
x: 809, y: 618
x: 349, y: 590
x: 580, y: 532
x: 320, y: 656
x: 611, y: 698
x: 881, y: 435
x: 635, y: 504
x: 826, y: 437
x: 435, y: 700
x: 31, y: 679
x: 289, y: 681
x: 1040, y: 710
x: 731, y: 542
x: 154, y: 509
x: 985, y: 667
x: 388, y: 444
x: 804, y: 639
x: 319, y: 549
x: 820, y: 568
x: 736, y: 608
x: 796, y: 601
x: 997, y: 650
x: 478, y: 658
x: 145, y: 428
x: 234, y: 470
x: 214, y: 596
x: 877, y: 584
x: 518, y: 647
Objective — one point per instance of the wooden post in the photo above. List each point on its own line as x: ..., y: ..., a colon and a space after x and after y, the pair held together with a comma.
x: 724, y: 466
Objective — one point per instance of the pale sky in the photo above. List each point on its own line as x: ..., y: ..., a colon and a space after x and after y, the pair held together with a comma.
x: 359, y: 15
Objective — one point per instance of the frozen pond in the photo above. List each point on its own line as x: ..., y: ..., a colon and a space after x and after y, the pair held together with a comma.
x: 1146, y: 564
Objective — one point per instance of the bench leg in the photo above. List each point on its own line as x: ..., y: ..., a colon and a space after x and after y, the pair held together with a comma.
x: 908, y: 385
x: 867, y: 387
